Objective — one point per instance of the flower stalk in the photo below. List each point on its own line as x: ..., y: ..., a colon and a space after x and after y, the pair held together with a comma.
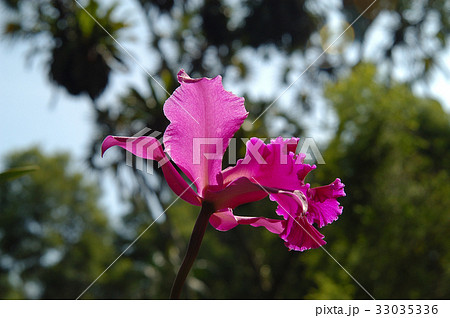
x: 194, y: 246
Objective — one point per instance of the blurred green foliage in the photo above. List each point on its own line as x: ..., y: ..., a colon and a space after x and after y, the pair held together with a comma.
x: 54, y: 238
x: 391, y: 150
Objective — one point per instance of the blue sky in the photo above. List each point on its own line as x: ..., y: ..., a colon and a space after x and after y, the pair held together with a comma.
x: 35, y: 113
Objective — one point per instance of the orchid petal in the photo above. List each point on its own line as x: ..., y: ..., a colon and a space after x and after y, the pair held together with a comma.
x: 272, y: 225
x: 323, y: 208
x: 179, y: 186
x: 273, y: 165
x: 299, y: 235
x: 225, y: 220
x: 204, y: 117
x: 236, y: 193
x: 332, y: 190
x: 150, y: 148
x: 143, y: 146
x: 290, y: 204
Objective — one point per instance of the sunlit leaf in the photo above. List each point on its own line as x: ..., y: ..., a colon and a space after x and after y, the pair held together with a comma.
x: 14, y: 173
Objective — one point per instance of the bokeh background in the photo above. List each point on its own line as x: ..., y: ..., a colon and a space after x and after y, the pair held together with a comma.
x: 376, y: 102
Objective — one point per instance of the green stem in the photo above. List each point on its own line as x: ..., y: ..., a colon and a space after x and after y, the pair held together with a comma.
x: 193, y: 248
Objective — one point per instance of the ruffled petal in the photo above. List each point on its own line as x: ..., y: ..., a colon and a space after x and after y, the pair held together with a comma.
x: 203, y: 118
x: 225, y: 220
x: 276, y: 168
x: 274, y: 165
x: 323, y: 208
x: 332, y: 190
x: 299, y: 235
x: 150, y: 148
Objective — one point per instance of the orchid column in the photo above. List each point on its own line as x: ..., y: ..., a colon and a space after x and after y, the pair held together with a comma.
x: 203, y: 118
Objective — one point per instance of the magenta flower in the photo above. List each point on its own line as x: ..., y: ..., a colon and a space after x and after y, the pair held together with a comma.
x: 203, y: 118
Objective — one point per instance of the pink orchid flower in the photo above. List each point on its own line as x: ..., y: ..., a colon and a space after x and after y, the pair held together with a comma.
x: 203, y: 118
